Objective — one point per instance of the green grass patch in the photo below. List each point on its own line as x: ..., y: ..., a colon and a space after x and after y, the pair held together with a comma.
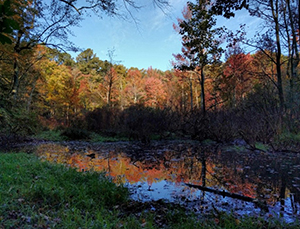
x: 35, y: 194
x: 289, y: 138
x: 40, y: 194
x: 208, y: 142
x: 51, y: 135
x: 261, y: 146
x: 60, y: 135
x: 235, y: 148
x: 94, y: 137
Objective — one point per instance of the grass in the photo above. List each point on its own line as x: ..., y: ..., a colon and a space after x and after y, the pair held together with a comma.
x: 57, y: 135
x: 100, y: 138
x: 35, y: 194
x: 51, y: 135
x: 261, y: 146
x: 40, y: 194
x: 288, y: 140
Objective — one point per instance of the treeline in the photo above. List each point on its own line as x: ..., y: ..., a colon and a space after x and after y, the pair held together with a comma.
x: 250, y: 96
x: 56, y: 91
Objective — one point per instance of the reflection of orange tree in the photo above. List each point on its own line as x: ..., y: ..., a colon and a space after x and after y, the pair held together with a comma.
x: 120, y: 167
x: 53, y: 153
x: 116, y: 166
x: 155, y: 175
x: 190, y: 170
x: 256, y: 177
x: 234, y: 181
x: 81, y: 162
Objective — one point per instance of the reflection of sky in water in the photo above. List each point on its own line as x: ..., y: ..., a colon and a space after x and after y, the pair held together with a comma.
x: 200, y: 201
x: 162, y: 190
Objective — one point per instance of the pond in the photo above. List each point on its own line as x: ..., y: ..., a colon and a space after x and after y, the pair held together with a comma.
x: 198, y: 177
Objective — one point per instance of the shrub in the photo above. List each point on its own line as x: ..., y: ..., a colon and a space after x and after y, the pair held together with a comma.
x: 76, y: 134
x: 140, y: 123
x: 102, y: 119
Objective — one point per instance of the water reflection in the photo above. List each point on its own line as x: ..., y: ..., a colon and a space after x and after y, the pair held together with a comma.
x: 161, y: 173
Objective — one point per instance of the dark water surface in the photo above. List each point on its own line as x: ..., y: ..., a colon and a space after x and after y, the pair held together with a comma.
x: 270, y: 182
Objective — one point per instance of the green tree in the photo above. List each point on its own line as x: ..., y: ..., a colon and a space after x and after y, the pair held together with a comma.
x: 7, y: 22
x: 93, y: 70
x: 228, y: 8
x: 199, y: 39
x: 89, y: 63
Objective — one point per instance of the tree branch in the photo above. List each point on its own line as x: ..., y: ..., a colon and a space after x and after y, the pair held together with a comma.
x: 70, y: 4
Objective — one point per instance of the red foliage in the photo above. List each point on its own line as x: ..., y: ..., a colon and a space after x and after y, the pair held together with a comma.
x: 237, y: 78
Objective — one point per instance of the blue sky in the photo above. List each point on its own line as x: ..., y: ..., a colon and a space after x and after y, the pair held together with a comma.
x: 150, y: 42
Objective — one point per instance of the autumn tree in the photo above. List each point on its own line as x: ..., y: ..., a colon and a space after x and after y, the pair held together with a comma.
x: 281, y: 20
x: 59, y: 91
x: 49, y: 23
x: 117, y: 96
x: 173, y: 89
x: 185, y: 88
x: 199, y: 38
x: 154, y: 89
x: 32, y: 31
x: 93, y: 72
x: 184, y: 59
x: 237, y: 76
x: 134, y: 89
x: 110, y: 76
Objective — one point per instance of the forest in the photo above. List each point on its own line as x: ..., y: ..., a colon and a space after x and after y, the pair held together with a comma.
x: 87, y: 142
x: 249, y: 96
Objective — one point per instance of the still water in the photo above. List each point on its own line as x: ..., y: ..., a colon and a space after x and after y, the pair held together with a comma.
x: 268, y: 183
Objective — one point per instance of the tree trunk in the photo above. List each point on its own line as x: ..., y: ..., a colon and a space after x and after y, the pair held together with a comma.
x: 202, y: 91
x: 203, y: 171
x: 197, y: 97
x: 110, y: 83
x: 275, y: 12
x: 298, y: 18
x: 191, y: 89
x: 15, y: 83
x: 294, y: 58
x: 182, y: 98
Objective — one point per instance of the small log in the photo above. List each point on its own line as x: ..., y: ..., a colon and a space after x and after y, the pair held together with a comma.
x: 222, y: 193
x: 262, y: 205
